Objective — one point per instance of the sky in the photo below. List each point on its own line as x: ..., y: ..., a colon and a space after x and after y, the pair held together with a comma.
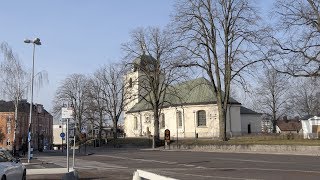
x: 78, y: 36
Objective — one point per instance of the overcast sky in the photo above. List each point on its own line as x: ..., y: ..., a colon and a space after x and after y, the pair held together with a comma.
x: 78, y: 36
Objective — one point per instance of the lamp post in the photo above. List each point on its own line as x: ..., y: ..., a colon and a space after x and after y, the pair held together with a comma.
x: 35, y: 42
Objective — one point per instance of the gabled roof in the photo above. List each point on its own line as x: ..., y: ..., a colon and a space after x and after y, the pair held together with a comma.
x: 244, y: 110
x: 291, y: 125
x: 193, y: 92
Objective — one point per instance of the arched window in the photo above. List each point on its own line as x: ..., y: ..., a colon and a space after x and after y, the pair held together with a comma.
x: 179, y: 118
x: 201, y: 118
x: 130, y: 83
x: 135, y: 126
x: 162, y: 121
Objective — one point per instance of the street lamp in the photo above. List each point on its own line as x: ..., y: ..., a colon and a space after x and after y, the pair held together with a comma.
x: 35, y: 42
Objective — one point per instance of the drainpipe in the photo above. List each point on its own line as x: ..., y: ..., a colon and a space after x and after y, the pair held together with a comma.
x: 230, y: 120
x: 183, y: 125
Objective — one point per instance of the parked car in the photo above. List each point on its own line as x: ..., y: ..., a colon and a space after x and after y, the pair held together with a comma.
x: 10, y: 167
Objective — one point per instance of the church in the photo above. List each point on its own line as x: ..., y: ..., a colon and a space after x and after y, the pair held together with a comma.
x: 192, y: 111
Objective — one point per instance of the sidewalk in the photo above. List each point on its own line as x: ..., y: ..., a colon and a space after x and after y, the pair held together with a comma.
x: 38, y: 169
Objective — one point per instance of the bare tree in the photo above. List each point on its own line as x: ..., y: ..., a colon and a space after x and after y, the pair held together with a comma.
x: 222, y: 37
x: 296, y: 43
x: 14, y: 81
x: 73, y: 90
x: 156, y: 50
x: 305, y: 96
x: 95, y: 112
x: 111, y: 92
x: 271, y: 95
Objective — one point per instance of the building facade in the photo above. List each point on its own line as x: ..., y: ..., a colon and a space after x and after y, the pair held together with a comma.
x: 311, y: 127
x: 41, y: 127
x: 189, y: 111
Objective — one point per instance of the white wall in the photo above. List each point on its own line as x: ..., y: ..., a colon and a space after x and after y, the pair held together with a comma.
x: 189, y: 122
x: 189, y: 126
x: 56, y: 133
x: 234, y: 115
x: 254, y: 120
x: 307, y: 127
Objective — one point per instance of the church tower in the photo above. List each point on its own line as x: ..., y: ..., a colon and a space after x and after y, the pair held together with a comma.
x: 137, y: 81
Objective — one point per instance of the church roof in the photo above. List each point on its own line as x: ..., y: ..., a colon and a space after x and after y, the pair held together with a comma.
x: 244, y: 110
x: 193, y: 92
x: 146, y: 62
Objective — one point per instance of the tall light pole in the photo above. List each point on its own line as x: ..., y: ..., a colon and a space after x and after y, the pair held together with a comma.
x: 35, y: 42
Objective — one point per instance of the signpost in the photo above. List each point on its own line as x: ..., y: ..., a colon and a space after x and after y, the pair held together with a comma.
x: 67, y: 113
x: 62, y: 135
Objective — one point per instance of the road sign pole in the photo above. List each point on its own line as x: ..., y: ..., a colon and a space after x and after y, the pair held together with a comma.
x: 62, y: 138
x: 74, y: 146
x: 67, y: 141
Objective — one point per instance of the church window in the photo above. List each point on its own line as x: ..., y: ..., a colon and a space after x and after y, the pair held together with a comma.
x: 179, y: 118
x: 135, y: 126
x: 162, y: 121
x: 201, y: 117
x: 130, y: 83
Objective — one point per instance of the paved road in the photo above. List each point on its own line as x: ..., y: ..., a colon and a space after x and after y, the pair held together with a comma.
x: 120, y: 164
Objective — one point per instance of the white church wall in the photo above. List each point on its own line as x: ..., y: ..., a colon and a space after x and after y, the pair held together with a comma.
x: 233, y: 125
x: 255, y: 123
x: 189, y: 122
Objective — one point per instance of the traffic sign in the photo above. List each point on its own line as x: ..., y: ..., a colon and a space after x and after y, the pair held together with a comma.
x: 62, y: 135
x: 67, y: 113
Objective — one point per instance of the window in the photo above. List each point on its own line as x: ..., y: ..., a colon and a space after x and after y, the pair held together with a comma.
x: 135, y: 125
x: 201, y: 117
x: 179, y: 118
x: 162, y: 121
x: 147, y: 119
x: 9, y: 125
x: 130, y: 83
x: 8, y: 142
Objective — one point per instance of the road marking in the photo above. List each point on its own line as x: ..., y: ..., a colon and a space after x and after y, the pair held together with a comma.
x: 188, y: 165
x: 255, y: 161
x: 138, y: 159
x: 211, y: 177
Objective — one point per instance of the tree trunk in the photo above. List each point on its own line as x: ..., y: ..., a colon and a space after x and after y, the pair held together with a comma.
x: 15, y: 127
x: 156, y: 139
x: 274, y: 126
x: 222, y: 124
x: 115, y: 127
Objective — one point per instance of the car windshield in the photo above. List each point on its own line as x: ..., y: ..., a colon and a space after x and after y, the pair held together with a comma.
x: 5, y: 156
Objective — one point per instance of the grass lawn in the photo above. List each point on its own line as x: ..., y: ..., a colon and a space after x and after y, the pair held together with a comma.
x: 259, y: 140
x: 244, y: 140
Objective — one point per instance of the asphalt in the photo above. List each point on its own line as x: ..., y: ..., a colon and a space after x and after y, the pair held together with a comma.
x: 41, y: 169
